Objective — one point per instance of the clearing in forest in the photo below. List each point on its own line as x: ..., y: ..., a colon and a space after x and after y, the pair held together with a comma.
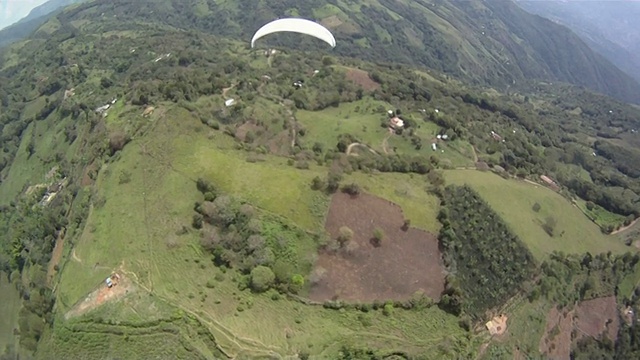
x: 597, y: 316
x: 594, y: 318
x: 405, y: 261
x: 362, y: 78
x: 556, y: 342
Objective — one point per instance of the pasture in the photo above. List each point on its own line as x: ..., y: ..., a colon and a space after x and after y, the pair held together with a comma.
x: 363, y: 119
x: 141, y: 225
x: 514, y: 201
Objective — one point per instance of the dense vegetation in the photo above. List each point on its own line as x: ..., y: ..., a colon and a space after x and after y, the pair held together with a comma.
x: 486, y: 262
x: 490, y: 52
x: 238, y: 237
x: 571, y: 278
x: 29, y: 233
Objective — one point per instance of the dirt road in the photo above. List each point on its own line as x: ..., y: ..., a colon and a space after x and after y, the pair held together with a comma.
x: 352, y: 145
x: 624, y: 228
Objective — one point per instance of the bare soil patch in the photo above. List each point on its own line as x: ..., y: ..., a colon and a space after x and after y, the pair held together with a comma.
x: 279, y: 144
x: 362, y: 78
x: 86, y: 178
x: 332, y: 21
x: 102, y: 295
x: 497, y: 325
x: 242, y: 130
x: 598, y: 316
x: 404, y: 262
x: 556, y: 342
x: 56, y: 256
x: 594, y: 318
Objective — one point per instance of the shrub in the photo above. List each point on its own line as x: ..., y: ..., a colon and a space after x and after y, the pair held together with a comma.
x: 536, y: 207
x: 378, y: 236
x: 262, y: 278
x: 406, y: 225
x: 317, y: 183
x: 346, y: 235
x: 549, y: 225
x: 352, y: 189
x: 388, y: 309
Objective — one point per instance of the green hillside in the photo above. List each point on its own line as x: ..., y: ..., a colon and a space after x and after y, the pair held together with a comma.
x: 294, y: 223
x: 482, y: 42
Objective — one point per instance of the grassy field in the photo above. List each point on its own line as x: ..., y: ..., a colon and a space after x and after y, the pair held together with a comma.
x: 359, y: 118
x: 514, y: 200
x: 406, y: 190
x: 629, y: 283
x: 10, y: 299
x: 362, y: 119
x: 150, y: 194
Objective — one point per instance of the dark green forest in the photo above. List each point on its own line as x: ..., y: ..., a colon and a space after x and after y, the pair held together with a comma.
x: 486, y: 262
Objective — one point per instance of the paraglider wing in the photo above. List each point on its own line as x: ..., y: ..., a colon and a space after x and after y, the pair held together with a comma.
x: 297, y: 25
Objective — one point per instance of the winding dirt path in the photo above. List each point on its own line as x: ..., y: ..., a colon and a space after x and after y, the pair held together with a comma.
x: 624, y: 228
x: 292, y: 119
x: 75, y: 257
x: 385, y: 144
x: 475, y: 154
x: 225, y: 90
x: 352, y: 145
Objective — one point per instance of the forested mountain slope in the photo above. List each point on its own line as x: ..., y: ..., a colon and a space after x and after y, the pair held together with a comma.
x: 608, y: 27
x: 490, y: 42
x: 36, y: 17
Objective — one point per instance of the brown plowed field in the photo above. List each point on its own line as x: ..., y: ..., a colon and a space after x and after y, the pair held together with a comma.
x: 590, y: 318
x: 556, y: 342
x: 405, y: 262
x: 598, y: 316
x: 362, y: 78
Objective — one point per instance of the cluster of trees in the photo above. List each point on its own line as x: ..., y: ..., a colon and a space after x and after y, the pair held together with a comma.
x: 238, y: 237
x: 487, y: 263
x: 570, y: 278
x: 548, y: 140
x: 626, y: 160
x: 30, y: 232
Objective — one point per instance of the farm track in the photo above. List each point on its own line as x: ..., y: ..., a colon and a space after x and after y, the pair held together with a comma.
x: 625, y: 228
x: 385, y: 144
x: 352, y: 145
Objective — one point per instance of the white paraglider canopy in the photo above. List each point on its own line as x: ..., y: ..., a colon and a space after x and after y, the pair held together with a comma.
x: 297, y: 25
